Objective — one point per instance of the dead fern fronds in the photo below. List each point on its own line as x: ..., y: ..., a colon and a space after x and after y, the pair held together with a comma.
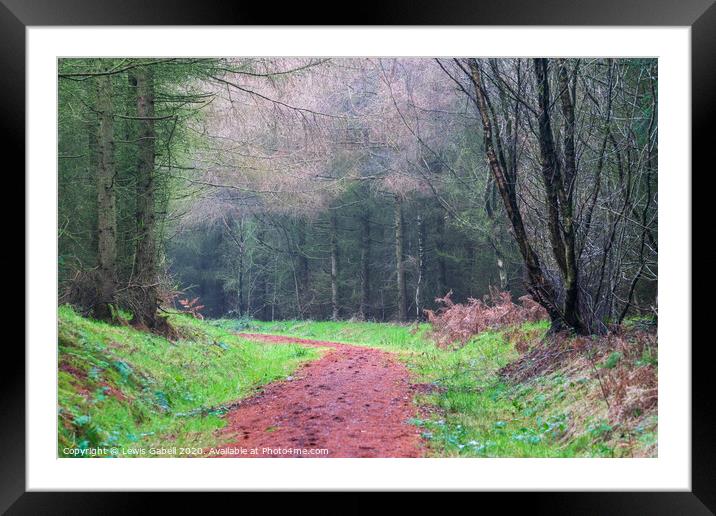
x: 458, y: 322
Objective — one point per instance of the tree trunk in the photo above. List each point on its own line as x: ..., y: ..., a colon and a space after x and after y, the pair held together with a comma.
x: 421, y: 267
x: 242, y: 247
x: 365, y: 266
x: 334, y: 265
x: 494, y: 233
x: 399, y: 263
x: 274, y: 296
x: 266, y: 307
x: 440, y: 251
x: 303, y: 270
x: 106, y: 202
x: 263, y: 274
x: 537, y: 284
x: 571, y: 304
x: 146, y: 251
x: 559, y: 187
x: 502, y: 274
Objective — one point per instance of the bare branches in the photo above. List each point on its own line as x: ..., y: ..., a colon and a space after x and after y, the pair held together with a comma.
x: 537, y: 175
x: 274, y: 101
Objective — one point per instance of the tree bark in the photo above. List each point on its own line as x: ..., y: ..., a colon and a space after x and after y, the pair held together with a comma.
x: 399, y: 262
x: 365, y: 266
x: 571, y: 303
x: 334, y: 265
x: 440, y: 251
x: 559, y: 187
x: 146, y: 250
x: 274, y: 295
x: 263, y: 280
x: 421, y: 267
x: 106, y: 201
x: 493, y: 235
x: 240, y: 242
x: 242, y: 248
x: 539, y: 287
x: 303, y: 270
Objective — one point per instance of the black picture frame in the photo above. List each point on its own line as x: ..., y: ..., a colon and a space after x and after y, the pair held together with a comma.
x: 700, y: 15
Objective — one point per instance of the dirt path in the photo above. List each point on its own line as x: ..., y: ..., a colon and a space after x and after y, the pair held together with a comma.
x: 353, y: 402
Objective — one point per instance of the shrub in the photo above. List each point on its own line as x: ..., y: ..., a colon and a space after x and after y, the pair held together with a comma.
x: 456, y: 323
x: 191, y: 307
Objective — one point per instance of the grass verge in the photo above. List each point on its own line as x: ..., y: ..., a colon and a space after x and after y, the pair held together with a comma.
x: 467, y: 408
x: 124, y: 390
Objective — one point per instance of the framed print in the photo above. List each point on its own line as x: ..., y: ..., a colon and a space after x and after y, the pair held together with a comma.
x: 420, y: 255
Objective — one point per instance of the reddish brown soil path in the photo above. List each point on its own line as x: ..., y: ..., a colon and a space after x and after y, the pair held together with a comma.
x: 353, y: 402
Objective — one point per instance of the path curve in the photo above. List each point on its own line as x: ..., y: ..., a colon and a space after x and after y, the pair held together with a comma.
x: 353, y: 402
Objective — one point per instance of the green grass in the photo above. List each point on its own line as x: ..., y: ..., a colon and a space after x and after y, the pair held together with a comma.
x: 390, y: 337
x: 471, y: 412
x: 122, y: 389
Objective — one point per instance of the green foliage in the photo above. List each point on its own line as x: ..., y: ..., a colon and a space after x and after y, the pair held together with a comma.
x: 612, y: 360
x: 648, y: 357
x: 179, y: 102
x: 286, y: 286
x: 120, y: 387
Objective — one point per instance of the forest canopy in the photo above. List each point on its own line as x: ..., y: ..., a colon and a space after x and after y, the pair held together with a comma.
x: 311, y: 188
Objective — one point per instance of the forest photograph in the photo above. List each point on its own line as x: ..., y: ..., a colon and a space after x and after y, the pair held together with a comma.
x: 357, y: 257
